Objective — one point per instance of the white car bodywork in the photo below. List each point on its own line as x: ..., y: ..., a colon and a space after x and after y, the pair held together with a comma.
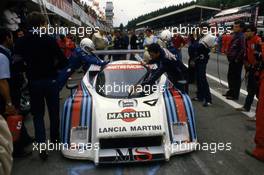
x: 119, y: 130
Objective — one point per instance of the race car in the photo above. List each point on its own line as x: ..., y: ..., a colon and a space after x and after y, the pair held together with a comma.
x: 103, y: 121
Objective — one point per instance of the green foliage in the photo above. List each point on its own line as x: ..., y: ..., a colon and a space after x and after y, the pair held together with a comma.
x: 133, y: 22
x: 211, y: 3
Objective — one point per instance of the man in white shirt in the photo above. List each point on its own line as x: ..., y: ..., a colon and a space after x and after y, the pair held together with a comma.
x: 149, y: 39
x: 6, y: 41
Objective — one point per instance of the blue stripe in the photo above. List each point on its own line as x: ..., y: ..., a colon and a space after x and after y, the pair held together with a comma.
x: 172, y: 108
x: 168, y: 107
x: 187, y: 109
x: 84, y: 105
x: 62, y: 120
x: 192, y: 115
x: 87, y: 107
x: 83, y: 111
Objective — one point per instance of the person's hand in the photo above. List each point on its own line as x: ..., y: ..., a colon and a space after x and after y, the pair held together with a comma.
x: 143, y: 63
x: 10, y: 110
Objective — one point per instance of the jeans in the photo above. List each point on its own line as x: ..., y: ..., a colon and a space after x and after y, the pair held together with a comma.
x: 42, y: 91
x: 251, y: 89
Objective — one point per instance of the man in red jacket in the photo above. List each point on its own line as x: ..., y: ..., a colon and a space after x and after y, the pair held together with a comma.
x: 258, y: 152
x: 66, y: 44
x: 253, y: 41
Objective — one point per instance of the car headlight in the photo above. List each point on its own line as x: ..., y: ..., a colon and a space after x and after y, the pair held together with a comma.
x: 79, y: 135
x: 181, y: 132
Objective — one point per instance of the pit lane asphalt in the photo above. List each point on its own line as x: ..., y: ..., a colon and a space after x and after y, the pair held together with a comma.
x: 219, y: 123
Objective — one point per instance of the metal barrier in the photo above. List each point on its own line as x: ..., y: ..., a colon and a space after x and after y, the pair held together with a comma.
x: 117, y: 52
x: 115, y: 55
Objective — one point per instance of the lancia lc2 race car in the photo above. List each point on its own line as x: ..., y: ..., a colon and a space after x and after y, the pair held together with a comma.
x: 104, y: 123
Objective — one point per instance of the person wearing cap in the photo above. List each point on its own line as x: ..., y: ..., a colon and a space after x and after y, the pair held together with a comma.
x: 81, y: 57
x: 206, y: 42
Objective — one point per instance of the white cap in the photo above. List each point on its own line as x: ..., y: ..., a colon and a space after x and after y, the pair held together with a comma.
x: 208, y: 41
x: 165, y: 35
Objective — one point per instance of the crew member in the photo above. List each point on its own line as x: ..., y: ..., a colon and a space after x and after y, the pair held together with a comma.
x: 167, y: 63
x: 235, y: 55
x: 253, y: 42
x: 81, y: 56
x: 43, y: 58
x: 206, y: 42
x: 258, y: 151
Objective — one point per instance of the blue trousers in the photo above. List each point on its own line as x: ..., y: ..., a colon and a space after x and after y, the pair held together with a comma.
x: 203, y: 90
x: 252, y: 87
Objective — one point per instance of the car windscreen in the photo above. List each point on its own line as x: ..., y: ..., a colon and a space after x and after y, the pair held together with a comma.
x: 115, y: 80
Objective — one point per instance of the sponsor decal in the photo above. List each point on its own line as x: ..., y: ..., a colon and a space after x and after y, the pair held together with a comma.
x: 133, y: 154
x: 127, y: 103
x: 151, y: 102
x: 124, y: 67
x: 131, y: 129
x: 128, y: 115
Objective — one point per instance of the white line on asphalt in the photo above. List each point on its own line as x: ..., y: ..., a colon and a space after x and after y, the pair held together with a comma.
x: 221, y: 97
x: 242, y: 91
x: 230, y: 102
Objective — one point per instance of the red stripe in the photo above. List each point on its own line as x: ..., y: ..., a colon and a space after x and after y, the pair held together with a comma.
x: 179, y: 104
x: 76, y: 108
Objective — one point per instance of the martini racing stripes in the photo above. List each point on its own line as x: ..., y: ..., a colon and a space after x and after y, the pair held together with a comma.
x: 178, y: 102
x: 77, y: 112
x: 190, y: 114
x: 182, y: 112
x: 76, y: 108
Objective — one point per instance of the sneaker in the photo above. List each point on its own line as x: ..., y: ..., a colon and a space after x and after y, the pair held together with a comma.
x: 231, y: 98
x: 197, y: 99
x: 251, y: 119
x: 242, y: 109
x: 206, y: 104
